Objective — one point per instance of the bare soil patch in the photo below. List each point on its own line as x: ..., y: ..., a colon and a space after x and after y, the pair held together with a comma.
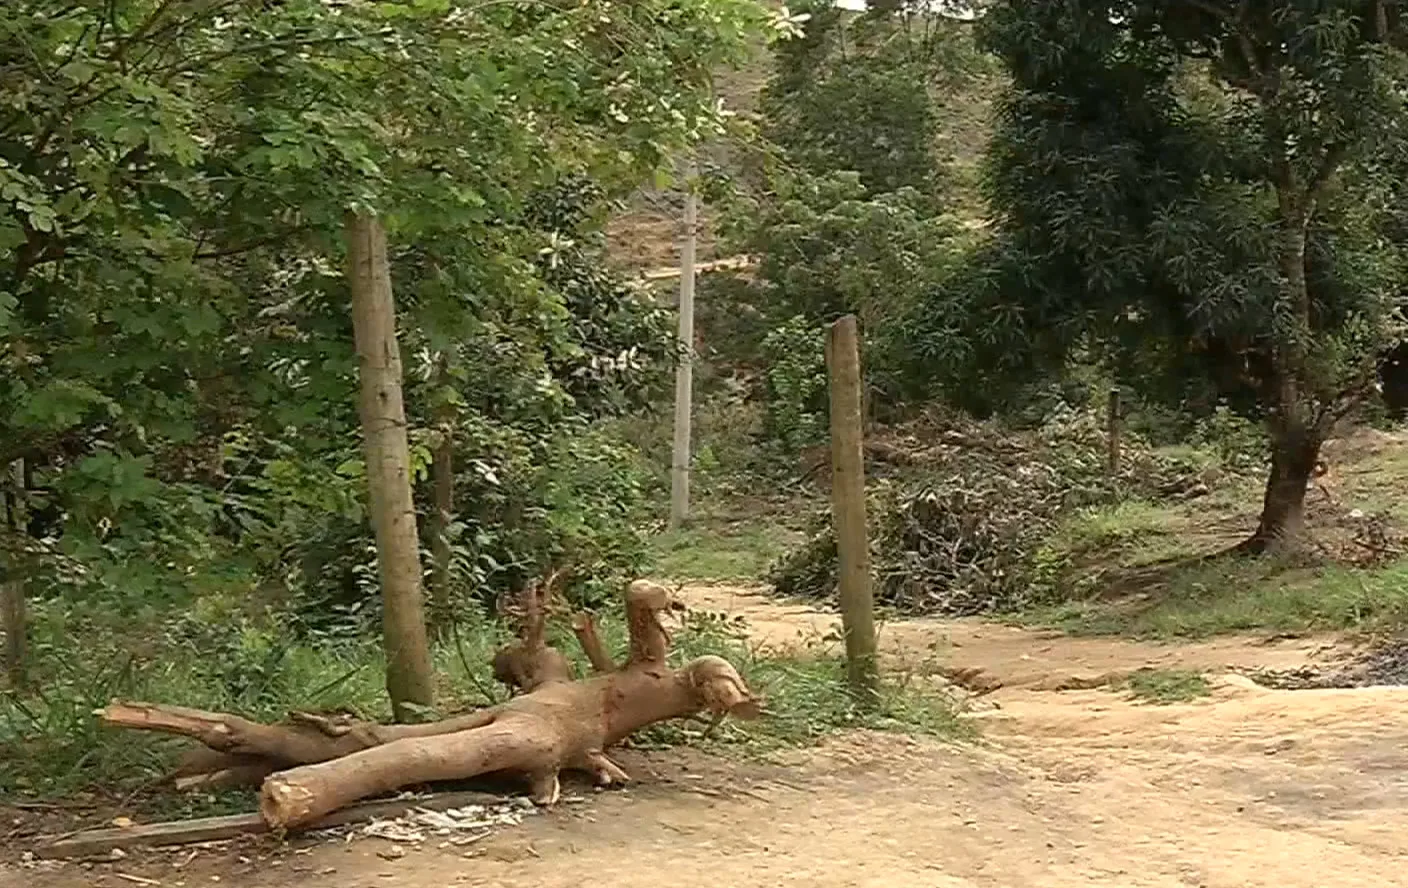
x: 1248, y: 787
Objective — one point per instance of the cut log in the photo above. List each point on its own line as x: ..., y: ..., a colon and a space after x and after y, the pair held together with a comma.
x: 560, y: 725
x: 332, y: 762
x: 241, y: 752
x: 90, y: 842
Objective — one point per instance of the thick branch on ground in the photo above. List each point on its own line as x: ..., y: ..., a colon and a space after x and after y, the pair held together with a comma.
x: 560, y: 725
x: 584, y: 627
x: 240, y: 752
x: 334, y: 761
x: 529, y: 663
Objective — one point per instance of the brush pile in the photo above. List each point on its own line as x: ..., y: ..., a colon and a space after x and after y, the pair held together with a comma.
x: 957, y: 532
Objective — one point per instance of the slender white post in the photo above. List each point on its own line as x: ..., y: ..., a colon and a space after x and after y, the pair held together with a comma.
x: 684, y: 374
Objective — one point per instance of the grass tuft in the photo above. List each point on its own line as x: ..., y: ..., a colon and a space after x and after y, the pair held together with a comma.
x: 1164, y: 686
x: 1238, y: 595
x: 713, y: 548
x: 52, y: 745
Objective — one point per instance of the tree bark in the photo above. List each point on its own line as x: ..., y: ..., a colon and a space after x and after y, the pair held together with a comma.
x: 1112, y: 434
x: 13, y: 617
x: 383, y: 415
x: 1295, y: 429
x: 1293, y: 456
x: 584, y: 628
x: 530, y: 663
x: 15, y: 624
x: 848, y: 508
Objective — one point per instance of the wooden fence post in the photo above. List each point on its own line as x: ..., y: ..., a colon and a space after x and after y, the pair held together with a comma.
x: 848, y: 509
x: 680, y: 460
x: 13, y: 618
x: 1112, y: 434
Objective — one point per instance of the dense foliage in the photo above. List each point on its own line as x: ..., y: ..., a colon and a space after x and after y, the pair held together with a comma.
x: 860, y: 92
x: 176, y: 365
x: 1201, y: 193
x: 962, y: 528
x: 850, y: 214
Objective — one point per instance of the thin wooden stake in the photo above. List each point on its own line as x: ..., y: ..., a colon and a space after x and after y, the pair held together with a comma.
x: 684, y: 373
x: 848, y: 509
x: 13, y: 618
x: 1112, y: 434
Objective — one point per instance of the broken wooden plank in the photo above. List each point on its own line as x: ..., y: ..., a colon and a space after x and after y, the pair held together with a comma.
x: 87, y: 843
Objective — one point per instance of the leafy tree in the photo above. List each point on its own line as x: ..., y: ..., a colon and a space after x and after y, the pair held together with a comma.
x: 828, y: 246
x: 861, y: 92
x: 848, y: 214
x: 1195, y: 190
x: 176, y: 362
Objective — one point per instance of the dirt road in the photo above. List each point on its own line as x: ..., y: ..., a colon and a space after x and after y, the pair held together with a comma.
x: 1069, y: 788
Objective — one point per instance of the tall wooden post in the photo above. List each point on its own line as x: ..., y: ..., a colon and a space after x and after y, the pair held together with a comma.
x: 409, y: 680
x: 684, y: 373
x: 442, y: 473
x: 848, y: 508
x: 12, y: 587
x: 1112, y: 434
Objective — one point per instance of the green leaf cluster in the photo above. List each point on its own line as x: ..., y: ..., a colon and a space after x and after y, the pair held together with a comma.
x: 176, y: 362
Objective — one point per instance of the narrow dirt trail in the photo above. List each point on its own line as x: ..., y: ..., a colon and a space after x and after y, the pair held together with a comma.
x: 990, y: 655
x: 1068, y: 789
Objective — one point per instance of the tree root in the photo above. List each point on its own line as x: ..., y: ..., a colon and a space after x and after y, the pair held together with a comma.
x: 312, y: 764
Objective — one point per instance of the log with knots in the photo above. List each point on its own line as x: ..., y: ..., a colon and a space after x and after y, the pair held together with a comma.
x: 311, y: 765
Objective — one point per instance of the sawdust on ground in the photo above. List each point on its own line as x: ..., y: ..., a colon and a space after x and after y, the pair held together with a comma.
x: 1068, y: 788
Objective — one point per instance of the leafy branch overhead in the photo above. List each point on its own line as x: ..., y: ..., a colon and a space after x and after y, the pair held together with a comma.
x: 177, y: 368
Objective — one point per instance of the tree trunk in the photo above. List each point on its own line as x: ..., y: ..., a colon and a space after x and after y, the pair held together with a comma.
x: 1282, y: 524
x: 848, y: 509
x: 560, y: 723
x: 408, y: 669
x: 1295, y: 428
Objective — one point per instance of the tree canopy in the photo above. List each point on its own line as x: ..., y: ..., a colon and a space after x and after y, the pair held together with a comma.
x: 1202, y: 192
x: 178, y: 370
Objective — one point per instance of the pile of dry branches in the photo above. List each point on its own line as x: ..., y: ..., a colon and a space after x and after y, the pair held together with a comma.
x: 957, y: 530
x: 311, y: 765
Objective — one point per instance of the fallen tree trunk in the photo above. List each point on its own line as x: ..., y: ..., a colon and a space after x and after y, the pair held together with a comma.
x: 560, y: 723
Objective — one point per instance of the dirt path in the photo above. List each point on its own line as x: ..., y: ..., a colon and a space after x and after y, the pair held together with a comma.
x: 1251, y: 787
x: 991, y: 655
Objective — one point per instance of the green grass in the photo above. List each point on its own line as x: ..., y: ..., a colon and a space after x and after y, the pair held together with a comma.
x: 1123, y: 523
x: 1127, y: 534
x: 1167, y: 685
x: 1228, y: 595
x: 51, y: 745
x: 720, y: 549
x: 806, y: 695
x: 1377, y: 486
